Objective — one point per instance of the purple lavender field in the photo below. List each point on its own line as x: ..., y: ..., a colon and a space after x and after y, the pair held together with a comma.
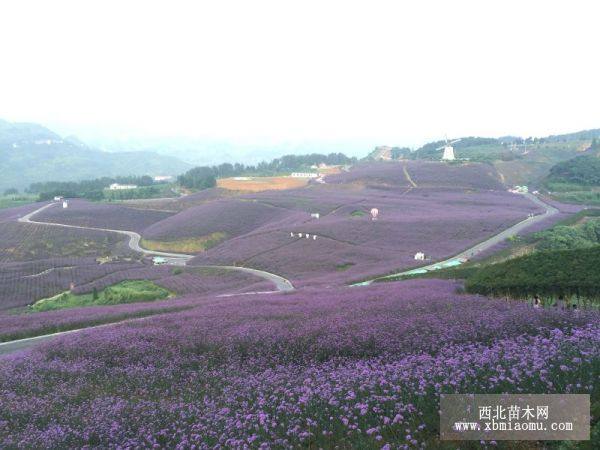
x: 299, y: 225
x: 101, y: 215
x: 349, y: 367
x: 437, y: 222
x: 229, y: 363
x: 232, y: 217
x: 31, y: 242
x: 423, y: 174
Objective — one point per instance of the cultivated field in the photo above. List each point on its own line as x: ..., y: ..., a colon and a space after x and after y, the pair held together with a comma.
x: 101, y: 215
x: 30, y: 242
x: 224, y: 362
x: 258, y: 184
x: 351, y: 367
x: 349, y: 245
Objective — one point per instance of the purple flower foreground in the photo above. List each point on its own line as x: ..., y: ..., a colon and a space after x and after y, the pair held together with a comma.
x: 353, y: 367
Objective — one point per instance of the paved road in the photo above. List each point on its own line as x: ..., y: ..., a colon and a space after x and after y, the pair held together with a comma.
x: 134, y: 238
x: 178, y: 259
x: 482, y: 246
x: 281, y: 283
x: 14, y: 346
x: 21, y: 344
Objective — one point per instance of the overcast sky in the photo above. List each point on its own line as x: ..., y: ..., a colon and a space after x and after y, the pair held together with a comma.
x: 398, y: 72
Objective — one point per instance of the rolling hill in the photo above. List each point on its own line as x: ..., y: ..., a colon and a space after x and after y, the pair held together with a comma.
x: 31, y: 153
x: 518, y: 160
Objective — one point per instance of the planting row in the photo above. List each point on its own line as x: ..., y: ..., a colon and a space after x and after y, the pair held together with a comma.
x: 349, y: 245
x: 101, y: 215
x: 349, y: 367
x: 28, y: 242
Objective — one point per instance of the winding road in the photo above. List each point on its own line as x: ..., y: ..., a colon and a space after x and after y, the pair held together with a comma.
x: 281, y: 283
x: 482, y: 246
x: 176, y: 259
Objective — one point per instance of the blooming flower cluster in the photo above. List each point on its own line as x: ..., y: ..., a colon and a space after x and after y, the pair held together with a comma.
x: 84, y: 213
x: 438, y: 222
x: 346, y: 367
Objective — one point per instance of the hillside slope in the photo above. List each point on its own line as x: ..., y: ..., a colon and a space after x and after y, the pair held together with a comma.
x: 32, y: 153
x: 520, y: 161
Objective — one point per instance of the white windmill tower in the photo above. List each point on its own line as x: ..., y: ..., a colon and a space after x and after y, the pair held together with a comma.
x: 448, y: 150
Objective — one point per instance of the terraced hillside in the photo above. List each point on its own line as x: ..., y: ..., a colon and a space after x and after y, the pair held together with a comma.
x: 222, y: 332
x: 101, y: 215
x: 347, y: 367
x: 424, y: 206
x: 454, y: 207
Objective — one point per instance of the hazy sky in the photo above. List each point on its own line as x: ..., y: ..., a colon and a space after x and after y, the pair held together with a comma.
x: 399, y: 72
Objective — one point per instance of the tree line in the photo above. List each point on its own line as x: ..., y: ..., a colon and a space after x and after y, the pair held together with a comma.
x: 563, y: 237
x: 584, y: 170
x: 563, y: 273
x: 206, y: 176
x: 95, y: 189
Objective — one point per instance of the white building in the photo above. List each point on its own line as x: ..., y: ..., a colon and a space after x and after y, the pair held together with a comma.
x: 159, y: 178
x: 315, y: 215
x: 420, y: 256
x: 65, y: 204
x: 519, y: 190
x: 58, y: 198
x: 117, y: 186
x: 304, y: 175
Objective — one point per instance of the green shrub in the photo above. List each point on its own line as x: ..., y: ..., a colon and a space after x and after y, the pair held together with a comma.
x: 124, y: 292
x: 550, y: 274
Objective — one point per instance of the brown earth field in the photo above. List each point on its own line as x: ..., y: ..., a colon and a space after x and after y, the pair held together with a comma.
x: 258, y: 184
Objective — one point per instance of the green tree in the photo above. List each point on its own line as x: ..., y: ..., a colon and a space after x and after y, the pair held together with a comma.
x: 11, y: 191
x: 198, y: 178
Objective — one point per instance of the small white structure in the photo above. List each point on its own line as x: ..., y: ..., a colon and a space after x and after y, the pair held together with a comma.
x: 448, y: 150
x: 314, y: 237
x: 299, y: 234
x: 118, y: 187
x: 315, y: 215
x: 160, y: 178
x: 374, y: 213
x: 519, y: 190
x: 304, y: 175
x: 420, y: 256
x: 65, y: 204
x: 291, y: 234
x: 242, y: 178
x: 159, y: 261
x: 58, y: 198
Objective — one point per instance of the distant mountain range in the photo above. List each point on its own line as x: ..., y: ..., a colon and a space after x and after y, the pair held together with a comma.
x: 208, y: 151
x: 31, y: 153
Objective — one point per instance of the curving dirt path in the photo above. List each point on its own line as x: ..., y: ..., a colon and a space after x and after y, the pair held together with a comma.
x: 407, y: 175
